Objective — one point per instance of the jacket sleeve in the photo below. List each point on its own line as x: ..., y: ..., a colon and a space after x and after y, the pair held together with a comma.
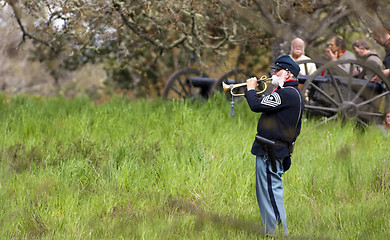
x: 267, y: 103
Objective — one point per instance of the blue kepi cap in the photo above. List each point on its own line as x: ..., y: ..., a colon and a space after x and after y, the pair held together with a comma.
x: 287, y: 63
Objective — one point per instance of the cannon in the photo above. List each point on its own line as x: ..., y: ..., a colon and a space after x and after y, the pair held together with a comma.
x: 330, y: 92
x: 334, y: 93
x: 190, y: 83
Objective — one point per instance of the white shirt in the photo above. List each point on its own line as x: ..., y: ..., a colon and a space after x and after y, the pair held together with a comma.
x: 311, y: 67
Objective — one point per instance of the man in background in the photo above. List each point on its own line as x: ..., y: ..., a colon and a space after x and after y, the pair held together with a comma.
x: 369, y: 57
x: 298, y: 54
x: 337, y: 50
x: 382, y: 37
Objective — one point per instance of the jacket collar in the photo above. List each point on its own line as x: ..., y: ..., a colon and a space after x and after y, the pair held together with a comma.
x: 288, y: 83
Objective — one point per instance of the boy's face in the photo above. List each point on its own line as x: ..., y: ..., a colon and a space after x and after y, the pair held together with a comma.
x: 388, y: 118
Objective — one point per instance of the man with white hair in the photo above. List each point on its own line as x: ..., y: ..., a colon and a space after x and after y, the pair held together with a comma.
x: 298, y: 54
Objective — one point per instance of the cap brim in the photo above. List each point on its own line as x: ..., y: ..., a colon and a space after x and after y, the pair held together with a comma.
x: 276, y: 67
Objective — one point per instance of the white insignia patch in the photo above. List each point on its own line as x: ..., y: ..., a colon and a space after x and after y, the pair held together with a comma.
x: 272, y: 100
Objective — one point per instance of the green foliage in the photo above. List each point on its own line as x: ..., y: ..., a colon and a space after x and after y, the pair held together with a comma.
x: 177, y: 170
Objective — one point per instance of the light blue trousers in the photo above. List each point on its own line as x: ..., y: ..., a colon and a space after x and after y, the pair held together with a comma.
x: 269, y: 193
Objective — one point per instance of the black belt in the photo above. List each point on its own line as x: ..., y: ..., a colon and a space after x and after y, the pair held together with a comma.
x: 268, y: 146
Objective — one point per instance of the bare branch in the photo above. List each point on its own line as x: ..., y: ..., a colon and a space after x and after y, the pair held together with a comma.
x: 24, y: 31
x: 334, y: 17
x: 265, y: 13
x: 134, y: 28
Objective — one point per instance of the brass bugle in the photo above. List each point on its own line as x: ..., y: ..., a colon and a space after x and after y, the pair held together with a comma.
x: 263, y: 82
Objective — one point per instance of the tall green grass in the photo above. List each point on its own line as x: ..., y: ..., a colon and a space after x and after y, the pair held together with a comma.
x: 178, y: 170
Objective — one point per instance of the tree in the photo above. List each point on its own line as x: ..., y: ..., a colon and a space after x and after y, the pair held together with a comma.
x: 138, y: 41
x: 134, y: 39
x: 315, y: 21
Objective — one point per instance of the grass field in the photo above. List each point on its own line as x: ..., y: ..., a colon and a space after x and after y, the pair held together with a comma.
x: 70, y: 169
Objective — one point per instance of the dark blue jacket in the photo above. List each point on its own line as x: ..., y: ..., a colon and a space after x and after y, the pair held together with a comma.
x: 280, y: 119
x: 386, y: 60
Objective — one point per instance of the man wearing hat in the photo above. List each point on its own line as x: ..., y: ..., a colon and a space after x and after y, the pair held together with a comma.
x: 277, y: 129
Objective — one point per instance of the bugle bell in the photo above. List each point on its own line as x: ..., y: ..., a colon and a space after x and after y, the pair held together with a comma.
x: 263, y: 82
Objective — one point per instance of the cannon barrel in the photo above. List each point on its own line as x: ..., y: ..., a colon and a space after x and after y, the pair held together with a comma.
x: 191, y: 83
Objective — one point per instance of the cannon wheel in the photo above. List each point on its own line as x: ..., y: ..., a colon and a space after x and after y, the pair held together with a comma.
x: 343, y: 96
x: 232, y: 76
x: 179, y: 85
